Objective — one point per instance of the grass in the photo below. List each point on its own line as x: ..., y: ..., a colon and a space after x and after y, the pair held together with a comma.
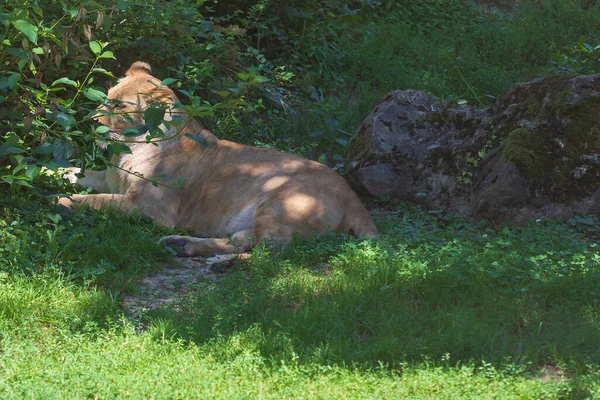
x: 437, y: 307
x: 116, y: 363
x: 521, y: 293
x: 105, y: 248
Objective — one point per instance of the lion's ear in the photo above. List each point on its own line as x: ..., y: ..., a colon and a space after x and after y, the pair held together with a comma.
x: 159, y: 94
x: 139, y: 68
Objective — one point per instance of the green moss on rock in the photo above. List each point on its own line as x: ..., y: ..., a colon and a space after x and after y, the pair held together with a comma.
x: 560, y: 98
x: 526, y: 150
x: 582, y: 132
x: 534, y: 106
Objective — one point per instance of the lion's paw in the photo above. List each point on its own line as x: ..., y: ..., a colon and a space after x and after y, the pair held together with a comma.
x: 65, y: 201
x: 175, y: 243
x: 221, y: 263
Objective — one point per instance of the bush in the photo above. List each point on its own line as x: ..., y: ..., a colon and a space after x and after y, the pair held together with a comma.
x: 56, y: 56
x: 50, y: 67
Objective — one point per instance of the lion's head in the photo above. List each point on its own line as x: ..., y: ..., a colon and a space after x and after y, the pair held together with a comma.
x: 133, y: 94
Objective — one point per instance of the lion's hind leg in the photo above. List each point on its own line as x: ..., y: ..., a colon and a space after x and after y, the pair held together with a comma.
x: 190, y: 246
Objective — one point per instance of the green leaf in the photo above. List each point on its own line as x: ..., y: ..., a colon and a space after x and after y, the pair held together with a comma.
x: 11, y: 81
x: 9, y: 148
x: 23, y: 61
x: 66, y: 81
x: 114, y: 149
x: 94, y: 5
x: 107, y: 54
x: 19, y: 160
x: 223, y: 93
x: 60, y: 163
x: 63, y: 148
x: 260, y: 79
x: 168, y: 81
x: 137, y: 131
x: 342, y: 142
x: 198, y: 139
x: 94, y: 95
x: 229, y: 105
x: 96, y: 47
x: 153, y: 117
x: 26, y: 29
x: 178, y: 119
x: 51, y: 166
x: 63, y: 119
x: 32, y: 171
x: 102, y: 129
x: 44, y: 148
x: 103, y: 71
x: 94, y: 113
x: 332, y: 124
x: 106, y: 24
x: 56, y: 218
x: 22, y: 183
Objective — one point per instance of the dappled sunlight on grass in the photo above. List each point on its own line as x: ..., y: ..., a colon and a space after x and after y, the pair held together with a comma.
x: 435, y: 303
x: 471, y: 292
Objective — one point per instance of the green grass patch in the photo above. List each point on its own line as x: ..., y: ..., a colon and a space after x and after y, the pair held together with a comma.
x: 437, y: 307
x: 86, y: 246
x: 45, y: 355
x: 526, y: 294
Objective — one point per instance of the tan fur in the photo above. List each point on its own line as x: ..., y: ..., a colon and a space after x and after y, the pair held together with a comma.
x: 232, y: 195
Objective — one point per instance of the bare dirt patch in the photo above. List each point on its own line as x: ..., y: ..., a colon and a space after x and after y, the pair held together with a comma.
x: 173, y: 284
x: 551, y: 373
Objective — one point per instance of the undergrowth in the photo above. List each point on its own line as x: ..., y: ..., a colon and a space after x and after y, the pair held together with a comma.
x: 104, y: 248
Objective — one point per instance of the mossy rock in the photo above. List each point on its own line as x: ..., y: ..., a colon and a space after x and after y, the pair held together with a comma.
x: 550, y: 130
x: 535, y: 153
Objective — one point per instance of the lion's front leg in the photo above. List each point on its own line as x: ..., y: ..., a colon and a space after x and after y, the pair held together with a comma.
x: 122, y: 201
x: 189, y: 246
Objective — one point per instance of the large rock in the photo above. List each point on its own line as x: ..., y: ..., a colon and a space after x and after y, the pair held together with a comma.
x: 534, y: 153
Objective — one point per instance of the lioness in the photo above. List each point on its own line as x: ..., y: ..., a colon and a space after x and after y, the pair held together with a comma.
x: 232, y: 195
